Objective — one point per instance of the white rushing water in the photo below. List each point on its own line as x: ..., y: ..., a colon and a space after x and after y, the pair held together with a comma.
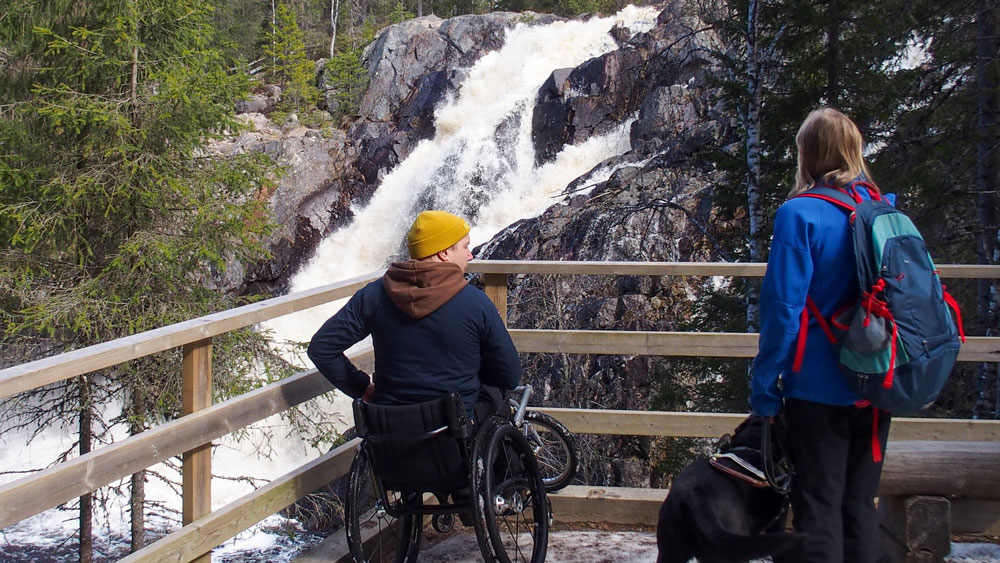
x: 480, y: 164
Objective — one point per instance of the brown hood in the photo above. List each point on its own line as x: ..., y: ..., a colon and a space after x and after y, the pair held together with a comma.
x: 420, y: 288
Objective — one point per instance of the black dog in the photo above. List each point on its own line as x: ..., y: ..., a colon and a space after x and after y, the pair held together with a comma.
x: 718, y: 518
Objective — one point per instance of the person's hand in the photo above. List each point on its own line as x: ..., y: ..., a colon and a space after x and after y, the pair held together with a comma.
x: 367, y: 395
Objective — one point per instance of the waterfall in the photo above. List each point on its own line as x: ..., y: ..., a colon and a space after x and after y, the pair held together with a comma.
x: 480, y: 164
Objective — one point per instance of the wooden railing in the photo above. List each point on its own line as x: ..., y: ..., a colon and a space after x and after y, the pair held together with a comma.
x: 192, y: 434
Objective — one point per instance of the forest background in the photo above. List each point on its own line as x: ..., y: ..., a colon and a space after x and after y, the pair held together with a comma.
x: 113, y: 220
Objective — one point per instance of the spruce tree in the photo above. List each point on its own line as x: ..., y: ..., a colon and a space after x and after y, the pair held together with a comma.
x: 286, y: 53
x: 113, y: 217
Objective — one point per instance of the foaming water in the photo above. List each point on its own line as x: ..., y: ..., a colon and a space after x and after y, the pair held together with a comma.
x: 480, y: 164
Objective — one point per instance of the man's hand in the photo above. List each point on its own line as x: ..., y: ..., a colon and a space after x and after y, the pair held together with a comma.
x: 367, y: 395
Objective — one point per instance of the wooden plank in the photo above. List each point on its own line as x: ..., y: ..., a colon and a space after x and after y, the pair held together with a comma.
x: 626, y: 423
x: 51, y: 487
x: 70, y: 364
x: 965, y: 469
x: 727, y: 269
x: 705, y: 344
x: 198, y: 538
x: 968, y: 271
x: 713, y: 425
x: 917, y: 526
x: 637, y: 343
x: 496, y: 290
x: 975, y: 516
x: 196, y: 471
x: 619, y: 505
x: 63, y: 366
x: 750, y: 269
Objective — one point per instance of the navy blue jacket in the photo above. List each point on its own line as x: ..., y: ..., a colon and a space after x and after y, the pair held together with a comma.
x: 811, y: 254
x: 459, y: 346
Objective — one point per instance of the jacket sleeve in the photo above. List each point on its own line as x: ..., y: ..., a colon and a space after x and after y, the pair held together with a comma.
x: 341, y: 331
x: 782, y: 298
x: 501, y: 364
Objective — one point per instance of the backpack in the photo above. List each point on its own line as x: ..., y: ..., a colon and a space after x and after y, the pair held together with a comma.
x: 898, y: 341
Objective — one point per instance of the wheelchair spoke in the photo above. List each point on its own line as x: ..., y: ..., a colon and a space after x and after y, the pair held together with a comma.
x: 554, y: 448
x: 374, y: 535
x: 515, y: 508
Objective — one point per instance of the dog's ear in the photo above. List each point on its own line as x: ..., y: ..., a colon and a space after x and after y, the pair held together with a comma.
x: 748, y: 433
x: 724, y: 444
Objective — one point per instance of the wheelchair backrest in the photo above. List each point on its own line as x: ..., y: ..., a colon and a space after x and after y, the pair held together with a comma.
x: 419, y: 447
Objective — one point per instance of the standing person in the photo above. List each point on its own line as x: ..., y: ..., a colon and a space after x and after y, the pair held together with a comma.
x: 433, y: 333
x: 835, y: 439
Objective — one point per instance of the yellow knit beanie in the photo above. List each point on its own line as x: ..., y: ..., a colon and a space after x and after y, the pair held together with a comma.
x: 434, y: 231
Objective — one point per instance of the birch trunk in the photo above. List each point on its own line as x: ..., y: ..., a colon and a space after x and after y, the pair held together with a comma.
x: 753, y: 157
x: 833, y: 53
x: 987, y: 186
x: 334, y: 15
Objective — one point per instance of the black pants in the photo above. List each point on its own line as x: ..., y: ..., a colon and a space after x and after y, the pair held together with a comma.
x: 836, y: 480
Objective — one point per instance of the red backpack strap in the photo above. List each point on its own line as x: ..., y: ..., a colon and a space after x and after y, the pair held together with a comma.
x: 800, y: 345
x: 873, y: 192
x: 958, y: 312
x: 814, y: 310
x: 840, y: 198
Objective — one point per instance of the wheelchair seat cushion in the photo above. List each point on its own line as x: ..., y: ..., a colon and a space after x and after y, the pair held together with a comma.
x: 419, y: 447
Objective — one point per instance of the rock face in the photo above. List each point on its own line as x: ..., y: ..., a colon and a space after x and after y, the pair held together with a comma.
x: 576, y: 104
x: 413, y: 66
x: 655, y: 206
x: 656, y: 203
x: 311, y: 197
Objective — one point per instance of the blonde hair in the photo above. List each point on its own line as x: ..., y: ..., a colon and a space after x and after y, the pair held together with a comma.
x: 829, y: 151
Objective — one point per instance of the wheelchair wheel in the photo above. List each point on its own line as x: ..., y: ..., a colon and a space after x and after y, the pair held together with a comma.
x: 510, y: 506
x: 554, y: 449
x: 374, y: 535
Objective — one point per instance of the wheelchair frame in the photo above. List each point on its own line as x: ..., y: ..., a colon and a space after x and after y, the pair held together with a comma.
x: 503, y: 482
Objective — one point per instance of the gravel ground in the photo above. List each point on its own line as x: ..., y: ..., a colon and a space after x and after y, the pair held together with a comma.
x: 611, y: 545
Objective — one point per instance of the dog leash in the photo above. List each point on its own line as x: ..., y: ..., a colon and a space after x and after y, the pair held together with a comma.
x: 777, y: 473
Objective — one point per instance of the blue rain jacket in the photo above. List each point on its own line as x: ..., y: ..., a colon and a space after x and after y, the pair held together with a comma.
x: 811, y: 254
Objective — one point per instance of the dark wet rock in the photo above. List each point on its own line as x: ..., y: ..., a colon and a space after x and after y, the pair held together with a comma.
x: 598, y: 95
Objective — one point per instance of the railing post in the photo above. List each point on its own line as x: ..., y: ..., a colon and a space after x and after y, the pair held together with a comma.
x: 197, y: 472
x: 496, y: 290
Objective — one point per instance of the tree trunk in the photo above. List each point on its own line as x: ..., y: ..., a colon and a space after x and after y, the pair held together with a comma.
x: 137, y: 503
x: 134, y: 86
x: 833, y: 53
x: 86, y: 443
x: 137, y: 489
x: 334, y: 15
x: 753, y: 158
x: 987, y: 184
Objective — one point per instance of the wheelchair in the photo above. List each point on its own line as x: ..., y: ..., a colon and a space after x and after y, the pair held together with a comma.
x: 425, y: 460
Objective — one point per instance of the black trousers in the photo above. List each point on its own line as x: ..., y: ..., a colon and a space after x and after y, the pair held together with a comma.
x: 835, y: 482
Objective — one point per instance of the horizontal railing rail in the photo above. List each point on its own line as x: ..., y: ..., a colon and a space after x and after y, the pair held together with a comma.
x: 204, y: 423
x: 42, y: 372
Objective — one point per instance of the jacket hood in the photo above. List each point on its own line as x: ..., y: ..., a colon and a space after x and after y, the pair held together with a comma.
x: 420, y: 288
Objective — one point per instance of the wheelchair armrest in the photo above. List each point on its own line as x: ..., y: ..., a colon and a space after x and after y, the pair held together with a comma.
x: 360, y: 422
x: 457, y: 419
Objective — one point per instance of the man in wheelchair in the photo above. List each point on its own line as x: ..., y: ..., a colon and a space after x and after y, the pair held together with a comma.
x: 433, y: 333
x: 431, y: 419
